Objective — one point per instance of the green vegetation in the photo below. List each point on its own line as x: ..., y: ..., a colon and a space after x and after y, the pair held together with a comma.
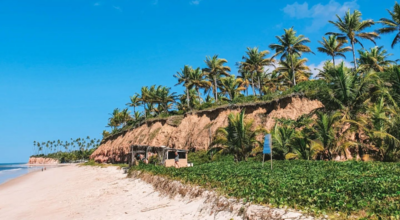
x: 351, y: 188
x: 202, y: 157
x: 66, y: 151
x: 237, y: 138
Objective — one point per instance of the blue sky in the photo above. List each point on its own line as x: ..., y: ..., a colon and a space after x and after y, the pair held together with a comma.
x: 66, y: 64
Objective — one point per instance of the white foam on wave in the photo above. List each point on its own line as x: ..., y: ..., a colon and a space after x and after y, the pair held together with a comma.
x: 10, y: 170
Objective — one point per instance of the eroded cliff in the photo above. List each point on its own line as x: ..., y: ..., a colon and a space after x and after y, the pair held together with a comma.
x: 196, y: 130
x: 41, y: 160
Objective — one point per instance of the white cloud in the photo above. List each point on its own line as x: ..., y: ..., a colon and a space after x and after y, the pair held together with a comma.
x: 315, y: 68
x: 319, y: 13
x: 195, y: 2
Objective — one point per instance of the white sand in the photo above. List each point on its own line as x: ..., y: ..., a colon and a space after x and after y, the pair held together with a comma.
x: 73, y: 192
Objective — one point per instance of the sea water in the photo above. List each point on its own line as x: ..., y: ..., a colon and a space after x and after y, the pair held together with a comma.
x: 12, y: 170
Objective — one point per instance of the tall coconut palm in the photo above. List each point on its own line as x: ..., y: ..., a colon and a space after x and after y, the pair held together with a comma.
x: 246, y: 77
x: 293, y: 69
x: 125, y: 116
x: 375, y: 59
x: 134, y: 102
x: 194, y: 101
x: 393, y: 24
x: 332, y: 47
x: 272, y: 82
x: 144, y: 98
x: 163, y: 97
x: 290, y: 44
x: 261, y: 79
x: 231, y: 86
x: 184, y: 78
x: 238, y: 138
x: 215, y: 68
x: 115, y: 119
x: 349, y: 90
x: 197, y: 79
x: 254, y: 62
x: 351, y: 27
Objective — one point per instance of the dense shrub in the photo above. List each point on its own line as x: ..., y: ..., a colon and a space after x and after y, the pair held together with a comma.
x: 358, y: 188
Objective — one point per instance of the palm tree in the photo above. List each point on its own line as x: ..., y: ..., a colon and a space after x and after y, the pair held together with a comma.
x: 144, y: 98
x: 272, y: 82
x: 282, y: 138
x: 254, y: 62
x: 375, y: 59
x: 290, y: 44
x: 163, y: 97
x: 137, y: 116
x: 246, y: 77
x: 293, y: 69
x: 215, y: 68
x: 124, y: 116
x: 198, y: 81
x: 115, y: 119
x: 332, y: 47
x: 325, y: 129
x: 392, y: 25
x: 135, y: 102
x: 182, y: 104
x: 381, y: 125
x: 231, y: 86
x: 351, y: 27
x: 184, y: 78
x: 303, y: 147
x: 238, y: 138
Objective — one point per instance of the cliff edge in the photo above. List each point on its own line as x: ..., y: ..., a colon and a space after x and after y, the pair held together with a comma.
x: 41, y: 160
x: 196, y: 130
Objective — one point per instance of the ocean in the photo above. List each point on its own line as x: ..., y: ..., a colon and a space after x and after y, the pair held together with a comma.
x: 12, y: 170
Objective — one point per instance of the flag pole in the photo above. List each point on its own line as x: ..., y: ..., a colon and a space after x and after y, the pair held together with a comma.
x: 271, y: 153
x: 263, y: 160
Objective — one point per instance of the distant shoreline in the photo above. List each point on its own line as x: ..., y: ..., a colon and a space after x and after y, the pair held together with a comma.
x: 21, y: 176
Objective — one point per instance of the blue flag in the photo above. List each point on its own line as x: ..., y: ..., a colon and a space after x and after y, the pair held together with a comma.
x: 267, y: 144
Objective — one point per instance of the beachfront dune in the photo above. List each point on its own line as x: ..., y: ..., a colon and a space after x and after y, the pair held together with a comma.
x: 86, y: 192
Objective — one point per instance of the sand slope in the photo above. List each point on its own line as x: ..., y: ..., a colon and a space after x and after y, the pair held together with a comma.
x: 74, y: 192
x: 196, y: 130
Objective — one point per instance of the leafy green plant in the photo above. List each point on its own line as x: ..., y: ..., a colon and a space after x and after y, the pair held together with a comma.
x: 351, y: 188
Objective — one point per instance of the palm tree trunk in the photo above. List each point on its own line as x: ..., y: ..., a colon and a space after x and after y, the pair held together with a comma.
x: 333, y: 59
x: 215, y: 89
x: 294, y: 73
x: 252, y: 83
x: 166, y: 108
x: 294, y: 76
x: 198, y: 93
x: 187, y: 97
x: 354, y: 55
x: 259, y: 86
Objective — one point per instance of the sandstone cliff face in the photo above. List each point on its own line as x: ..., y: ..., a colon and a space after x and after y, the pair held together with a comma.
x: 41, y: 160
x: 196, y: 130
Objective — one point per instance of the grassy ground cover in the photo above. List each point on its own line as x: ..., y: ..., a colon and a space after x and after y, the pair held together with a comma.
x: 351, y: 188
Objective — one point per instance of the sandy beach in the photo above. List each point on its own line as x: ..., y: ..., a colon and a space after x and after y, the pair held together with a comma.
x: 73, y: 192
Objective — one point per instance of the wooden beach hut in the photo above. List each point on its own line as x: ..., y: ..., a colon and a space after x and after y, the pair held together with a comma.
x: 165, y: 155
